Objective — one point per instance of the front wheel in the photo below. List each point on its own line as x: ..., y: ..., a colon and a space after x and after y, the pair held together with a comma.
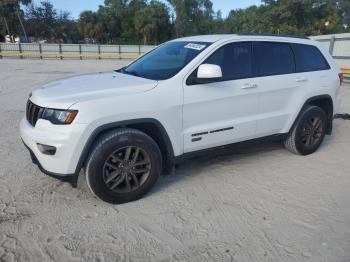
x: 123, y: 166
x: 307, y: 134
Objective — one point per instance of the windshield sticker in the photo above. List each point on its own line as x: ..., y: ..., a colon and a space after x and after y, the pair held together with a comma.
x: 195, y: 46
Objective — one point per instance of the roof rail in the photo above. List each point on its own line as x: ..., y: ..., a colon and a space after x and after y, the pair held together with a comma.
x: 275, y: 35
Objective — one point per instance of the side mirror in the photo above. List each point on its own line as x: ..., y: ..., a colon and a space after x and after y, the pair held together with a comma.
x: 209, y: 72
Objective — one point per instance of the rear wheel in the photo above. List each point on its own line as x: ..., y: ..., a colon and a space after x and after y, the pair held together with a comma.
x: 123, y: 166
x: 308, y: 132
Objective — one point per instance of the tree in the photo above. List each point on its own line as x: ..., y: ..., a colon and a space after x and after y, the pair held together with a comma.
x: 133, y: 21
x: 11, y: 17
x: 301, y: 17
x: 44, y: 22
x: 67, y: 29
x: 343, y: 9
x: 111, y: 25
x: 193, y: 16
x: 90, y: 26
x: 306, y: 17
x: 152, y: 22
x: 129, y: 31
x: 181, y: 16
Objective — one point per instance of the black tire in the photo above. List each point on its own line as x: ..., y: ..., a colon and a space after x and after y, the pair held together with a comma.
x: 104, y: 151
x: 307, y: 133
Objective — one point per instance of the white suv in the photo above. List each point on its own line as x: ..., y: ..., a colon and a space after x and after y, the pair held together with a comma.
x: 126, y: 127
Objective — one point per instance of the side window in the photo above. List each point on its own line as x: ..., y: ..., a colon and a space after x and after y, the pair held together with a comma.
x: 235, y: 60
x: 273, y: 59
x: 309, y: 58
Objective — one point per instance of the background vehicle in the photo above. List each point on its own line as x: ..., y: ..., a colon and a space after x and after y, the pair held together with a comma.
x: 190, y: 94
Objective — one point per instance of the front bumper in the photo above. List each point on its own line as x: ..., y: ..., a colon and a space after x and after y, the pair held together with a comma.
x: 69, y: 141
x: 70, y: 178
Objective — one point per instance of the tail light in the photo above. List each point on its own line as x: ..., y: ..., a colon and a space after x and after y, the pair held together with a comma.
x: 341, y: 78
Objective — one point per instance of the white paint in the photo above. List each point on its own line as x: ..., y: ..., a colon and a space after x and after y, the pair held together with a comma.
x: 208, y: 71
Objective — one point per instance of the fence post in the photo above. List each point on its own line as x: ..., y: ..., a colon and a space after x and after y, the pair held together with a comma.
x: 139, y: 50
x: 60, y: 50
x: 81, y: 58
x: 40, y: 51
x: 120, y: 52
x: 20, y: 49
x: 331, y: 45
x: 99, y: 51
x: 0, y: 51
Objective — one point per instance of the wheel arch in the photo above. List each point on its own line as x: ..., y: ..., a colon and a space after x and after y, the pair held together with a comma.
x: 149, y: 126
x: 325, y: 102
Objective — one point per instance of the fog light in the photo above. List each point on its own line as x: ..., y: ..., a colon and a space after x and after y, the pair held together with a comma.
x: 47, y: 150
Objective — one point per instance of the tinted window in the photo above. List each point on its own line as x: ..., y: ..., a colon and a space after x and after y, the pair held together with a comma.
x: 273, y: 59
x: 234, y: 59
x: 309, y: 58
x: 165, y: 61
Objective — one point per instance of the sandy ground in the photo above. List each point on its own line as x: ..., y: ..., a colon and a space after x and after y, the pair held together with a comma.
x: 258, y: 203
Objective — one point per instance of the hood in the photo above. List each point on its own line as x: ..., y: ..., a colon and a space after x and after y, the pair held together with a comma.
x: 66, y: 92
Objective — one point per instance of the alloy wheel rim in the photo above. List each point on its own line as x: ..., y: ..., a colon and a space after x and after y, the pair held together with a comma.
x: 126, y: 169
x: 312, y: 131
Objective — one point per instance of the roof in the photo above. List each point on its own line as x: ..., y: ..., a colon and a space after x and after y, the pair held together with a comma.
x: 275, y: 35
x: 215, y: 38
x: 205, y: 38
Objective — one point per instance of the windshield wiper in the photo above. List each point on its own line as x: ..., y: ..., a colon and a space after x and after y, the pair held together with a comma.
x: 134, y: 73
x: 121, y: 70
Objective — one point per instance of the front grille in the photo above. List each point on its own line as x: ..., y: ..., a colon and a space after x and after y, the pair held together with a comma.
x: 33, y: 112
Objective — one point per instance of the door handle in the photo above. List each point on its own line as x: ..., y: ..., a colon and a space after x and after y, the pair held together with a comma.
x: 301, y: 79
x: 249, y: 86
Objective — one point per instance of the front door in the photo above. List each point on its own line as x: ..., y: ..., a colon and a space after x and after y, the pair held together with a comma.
x: 224, y: 111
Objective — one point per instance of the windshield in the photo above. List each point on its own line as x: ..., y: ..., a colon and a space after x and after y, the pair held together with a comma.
x: 165, y: 61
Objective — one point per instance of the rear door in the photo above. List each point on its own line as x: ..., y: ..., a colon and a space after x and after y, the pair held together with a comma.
x: 274, y: 69
x: 313, y: 69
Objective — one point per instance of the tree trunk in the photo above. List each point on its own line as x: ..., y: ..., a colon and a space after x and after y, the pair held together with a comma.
x: 7, y: 28
x: 156, y: 38
x: 144, y: 39
x: 20, y: 21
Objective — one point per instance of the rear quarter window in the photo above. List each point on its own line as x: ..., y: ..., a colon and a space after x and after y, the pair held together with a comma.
x: 309, y: 58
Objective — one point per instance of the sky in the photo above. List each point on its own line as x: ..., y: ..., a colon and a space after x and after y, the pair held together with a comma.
x: 75, y: 7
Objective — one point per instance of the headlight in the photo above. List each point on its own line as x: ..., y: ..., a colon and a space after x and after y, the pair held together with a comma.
x: 59, y: 117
